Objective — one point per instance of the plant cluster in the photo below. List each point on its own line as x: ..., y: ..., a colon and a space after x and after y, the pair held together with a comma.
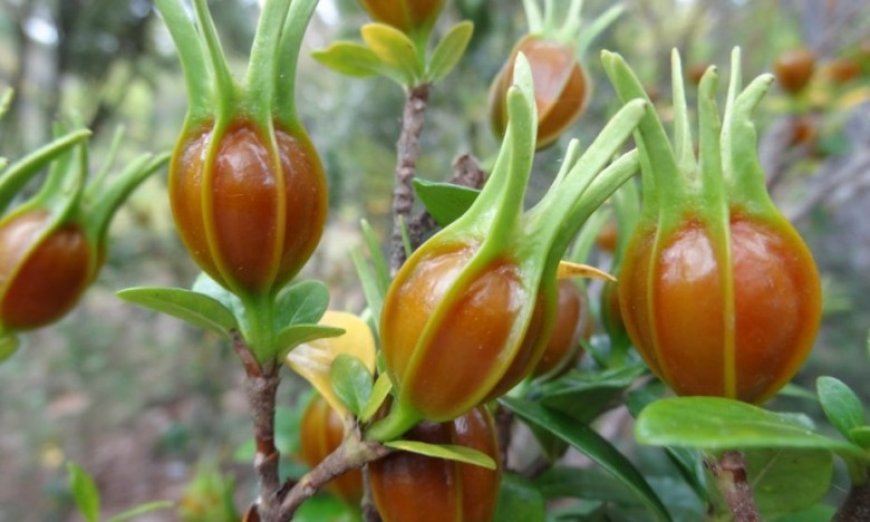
x: 477, y: 321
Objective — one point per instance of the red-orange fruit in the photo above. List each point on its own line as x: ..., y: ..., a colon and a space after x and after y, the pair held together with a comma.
x: 412, y: 487
x: 42, y: 276
x: 572, y: 324
x: 794, y: 69
x: 320, y: 433
x: 250, y: 214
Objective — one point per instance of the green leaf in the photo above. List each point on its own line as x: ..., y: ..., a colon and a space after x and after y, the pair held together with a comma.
x: 378, y: 262
x: 195, y: 308
x: 141, y: 509
x: 449, y: 51
x: 8, y: 345
x: 590, y: 443
x: 351, y: 381
x: 714, y: 423
x: 204, y: 284
x: 296, y: 334
x: 583, y: 483
x: 85, y: 492
x: 380, y: 391
x: 395, y: 50
x: 301, y: 303
x: 444, y: 451
x: 788, y: 480
x: 350, y: 58
x: 445, y: 201
x: 813, y: 514
x: 370, y: 286
x: 842, y: 407
x: 519, y: 499
x: 585, y: 396
x: 860, y: 436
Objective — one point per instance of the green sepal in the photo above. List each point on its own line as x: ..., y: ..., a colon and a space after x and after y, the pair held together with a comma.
x: 841, y: 405
x: 449, y: 51
x: 453, y: 452
x: 718, y: 424
x: 16, y: 175
x: 351, y: 382
x: 102, y: 199
x: 295, y: 24
x: 376, y: 256
x: 564, y: 24
x: 372, y: 290
x: 84, y: 491
x: 593, y: 445
x: 193, y: 307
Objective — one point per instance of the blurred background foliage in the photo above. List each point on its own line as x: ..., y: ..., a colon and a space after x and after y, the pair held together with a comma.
x: 153, y: 408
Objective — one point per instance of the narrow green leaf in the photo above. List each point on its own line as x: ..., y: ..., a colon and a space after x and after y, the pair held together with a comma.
x: 583, y: 483
x: 141, y: 510
x: 520, y: 499
x: 371, y: 290
x: 351, y: 382
x: 590, y: 443
x: 444, y: 451
x: 84, y: 491
x: 449, y: 50
x: 842, y: 407
x: 301, y: 303
x: 350, y: 58
x: 193, y: 307
x: 715, y: 423
x: 376, y: 256
x: 296, y: 334
x: 395, y: 50
x: 584, y: 396
x: 445, y: 201
x: 380, y: 391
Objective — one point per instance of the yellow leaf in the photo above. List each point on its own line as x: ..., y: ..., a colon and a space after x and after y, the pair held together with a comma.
x: 313, y: 360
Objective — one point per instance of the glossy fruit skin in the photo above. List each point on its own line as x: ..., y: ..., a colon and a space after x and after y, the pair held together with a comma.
x: 794, y: 69
x: 440, y: 351
x: 43, y: 273
x: 408, y: 486
x: 561, y: 88
x: 704, y: 336
x: 572, y: 324
x: 247, y: 225
x: 321, y: 432
x: 406, y: 15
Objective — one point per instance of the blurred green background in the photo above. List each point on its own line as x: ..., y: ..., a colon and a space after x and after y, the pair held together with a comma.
x: 141, y: 401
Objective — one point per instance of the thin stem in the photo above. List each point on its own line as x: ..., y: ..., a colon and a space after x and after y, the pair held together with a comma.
x: 261, y: 388
x: 407, y: 151
x: 857, y: 503
x: 353, y: 453
x: 730, y: 474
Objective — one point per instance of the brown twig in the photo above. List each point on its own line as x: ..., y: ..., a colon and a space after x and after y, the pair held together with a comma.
x: 407, y: 151
x: 367, y: 506
x: 467, y: 173
x: 261, y: 389
x: 730, y: 474
x: 856, y: 507
x: 353, y: 453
